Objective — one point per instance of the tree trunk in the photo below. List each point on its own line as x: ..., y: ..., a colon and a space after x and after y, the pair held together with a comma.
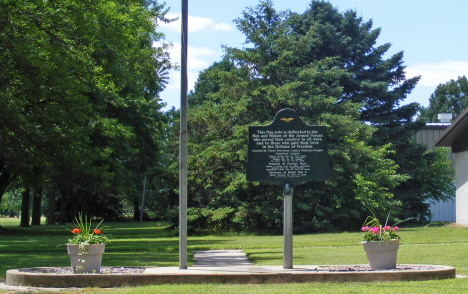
x: 6, y: 177
x: 63, y: 206
x: 136, y: 210
x: 36, y: 208
x: 52, y: 207
x: 85, y: 209
x: 25, y: 208
x: 75, y: 204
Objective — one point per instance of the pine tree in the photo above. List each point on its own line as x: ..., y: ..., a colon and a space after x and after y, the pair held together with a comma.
x: 272, y: 73
x: 325, y: 65
x: 380, y: 86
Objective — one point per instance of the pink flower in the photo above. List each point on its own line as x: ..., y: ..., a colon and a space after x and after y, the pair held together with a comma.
x: 395, y: 229
x: 387, y: 228
x: 374, y: 230
x: 365, y: 229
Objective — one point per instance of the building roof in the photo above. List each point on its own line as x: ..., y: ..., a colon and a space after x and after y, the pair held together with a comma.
x: 456, y: 135
x: 436, y: 126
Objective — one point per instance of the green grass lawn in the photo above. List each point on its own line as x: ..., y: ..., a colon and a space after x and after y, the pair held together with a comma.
x: 149, y: 244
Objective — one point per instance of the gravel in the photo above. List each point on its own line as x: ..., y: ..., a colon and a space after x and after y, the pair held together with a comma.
x: 104, y: 270
x: 366, y: 268
x: 138, y: 270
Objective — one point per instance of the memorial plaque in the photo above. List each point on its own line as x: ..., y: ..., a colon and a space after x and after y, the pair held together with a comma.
x: 287, y: 151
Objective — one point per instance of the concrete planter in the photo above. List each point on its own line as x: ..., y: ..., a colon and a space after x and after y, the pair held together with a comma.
x: 381, y: 254
x: 88, y: 261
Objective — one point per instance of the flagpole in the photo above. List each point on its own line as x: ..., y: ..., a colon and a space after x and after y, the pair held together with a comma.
x: 183, y: 144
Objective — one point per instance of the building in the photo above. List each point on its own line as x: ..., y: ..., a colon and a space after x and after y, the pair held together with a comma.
x: 442, y: 211
x: 456, y: 137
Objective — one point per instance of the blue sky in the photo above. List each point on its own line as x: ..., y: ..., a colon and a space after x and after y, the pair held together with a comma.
x: 433, y: 35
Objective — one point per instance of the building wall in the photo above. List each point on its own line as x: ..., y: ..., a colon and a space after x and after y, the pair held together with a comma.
x: 461, y: 182
x: 428, y: 135
x: 442, y: 211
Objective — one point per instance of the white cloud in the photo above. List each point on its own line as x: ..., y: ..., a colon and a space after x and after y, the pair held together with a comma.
x: 196, y: 23
x: 433, y: 74
x: 174, y: 80
x: 198, y: 59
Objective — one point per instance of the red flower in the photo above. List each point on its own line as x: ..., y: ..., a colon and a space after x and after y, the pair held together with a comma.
x: 76, y: 231
x: 97, y: 231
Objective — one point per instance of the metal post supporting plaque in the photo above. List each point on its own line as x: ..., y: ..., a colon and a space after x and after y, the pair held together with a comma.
x: 287, y: 228
x: 287, y: 153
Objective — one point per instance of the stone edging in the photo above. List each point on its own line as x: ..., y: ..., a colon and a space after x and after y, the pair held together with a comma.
x: 235, y: 275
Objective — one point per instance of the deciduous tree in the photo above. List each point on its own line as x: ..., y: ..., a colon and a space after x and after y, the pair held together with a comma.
x: 79, y: 95
x: 451, y: 97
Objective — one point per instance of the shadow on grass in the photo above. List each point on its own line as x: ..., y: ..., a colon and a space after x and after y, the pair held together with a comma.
x: 265, y: 256
x: 144, y: 258
x: 132, y: 244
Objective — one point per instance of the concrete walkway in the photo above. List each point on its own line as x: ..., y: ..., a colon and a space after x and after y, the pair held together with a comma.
x: 220, y: 258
